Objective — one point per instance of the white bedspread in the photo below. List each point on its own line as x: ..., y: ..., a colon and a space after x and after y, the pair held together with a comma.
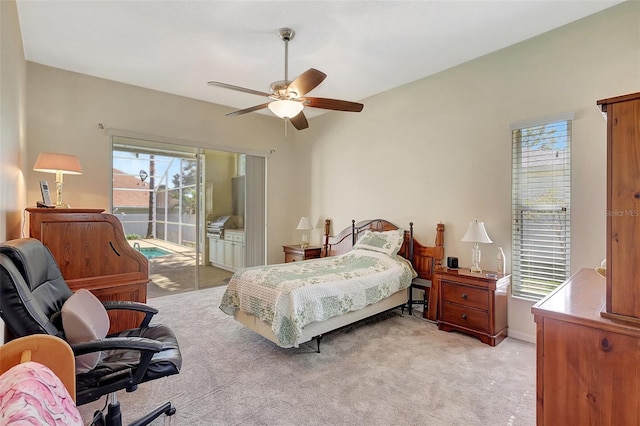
x: 292, y: 295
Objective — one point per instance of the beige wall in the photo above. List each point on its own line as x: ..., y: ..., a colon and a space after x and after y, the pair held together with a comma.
x: 64, y: 109
x: 439, y: 149
x: 13, y: 127
x: 220, y: 167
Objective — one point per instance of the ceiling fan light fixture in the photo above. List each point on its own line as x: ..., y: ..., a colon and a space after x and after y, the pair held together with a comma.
x: 288, y: 98
x: 286, y: 108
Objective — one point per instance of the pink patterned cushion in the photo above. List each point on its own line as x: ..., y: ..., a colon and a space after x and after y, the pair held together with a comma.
x: 31, y: 394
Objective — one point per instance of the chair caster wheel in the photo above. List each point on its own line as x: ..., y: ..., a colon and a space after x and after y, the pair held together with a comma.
x: 171, y: 411
x: 98, y: 419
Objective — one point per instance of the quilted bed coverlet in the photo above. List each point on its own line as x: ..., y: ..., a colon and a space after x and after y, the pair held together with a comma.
x: 291, y: 295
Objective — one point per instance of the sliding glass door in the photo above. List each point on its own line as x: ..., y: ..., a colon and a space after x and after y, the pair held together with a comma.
x: 168, y: 197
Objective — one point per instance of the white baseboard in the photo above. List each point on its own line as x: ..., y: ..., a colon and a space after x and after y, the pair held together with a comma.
x: 522, y: 336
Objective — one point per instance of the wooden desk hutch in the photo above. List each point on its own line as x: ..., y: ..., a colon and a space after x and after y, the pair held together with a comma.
x: 588, y: 330
x: 92, y: 252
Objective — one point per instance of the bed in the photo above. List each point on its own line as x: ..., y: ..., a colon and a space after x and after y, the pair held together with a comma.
x: 364, y: 270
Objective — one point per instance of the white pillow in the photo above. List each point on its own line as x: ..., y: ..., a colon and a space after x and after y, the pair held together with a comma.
x: 388, y: 242
x: 84, y: 318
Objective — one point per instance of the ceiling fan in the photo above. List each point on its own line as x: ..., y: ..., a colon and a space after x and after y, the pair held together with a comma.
x: 288, y: 97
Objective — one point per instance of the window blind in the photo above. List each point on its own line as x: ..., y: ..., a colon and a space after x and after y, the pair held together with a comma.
x: 255, y: 212
x: 541, y: 213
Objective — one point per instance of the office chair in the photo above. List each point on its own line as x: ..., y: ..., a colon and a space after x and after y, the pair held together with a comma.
x: 32, y: 295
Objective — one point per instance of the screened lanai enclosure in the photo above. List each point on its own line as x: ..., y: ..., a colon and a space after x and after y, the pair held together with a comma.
x: 165, y: 195
x: 159, y: 199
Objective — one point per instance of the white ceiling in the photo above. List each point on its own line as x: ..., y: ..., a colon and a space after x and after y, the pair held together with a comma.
x: 365, y: 47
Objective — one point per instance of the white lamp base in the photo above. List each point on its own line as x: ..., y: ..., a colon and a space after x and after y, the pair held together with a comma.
x: 59, y: 185
x: 475, y: 258
x: 476, y: 268
x: 59, y: 203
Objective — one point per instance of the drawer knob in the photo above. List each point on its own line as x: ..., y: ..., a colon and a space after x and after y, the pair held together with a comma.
x: 464, y: 316
x: 464, y: 296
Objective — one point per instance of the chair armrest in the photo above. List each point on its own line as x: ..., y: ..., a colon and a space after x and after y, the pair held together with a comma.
x: 110, y: 343
x: 147, y: 348
x: 132, y: 306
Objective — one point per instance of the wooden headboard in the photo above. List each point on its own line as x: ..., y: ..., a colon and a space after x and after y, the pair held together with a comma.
x: 423, y: 258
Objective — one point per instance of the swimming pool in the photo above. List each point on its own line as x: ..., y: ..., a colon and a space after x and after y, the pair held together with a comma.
x: 152, y: 252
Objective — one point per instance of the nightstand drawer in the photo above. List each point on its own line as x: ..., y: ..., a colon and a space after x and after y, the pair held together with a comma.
x: 465, y: 295
x: 463, y: 316
x: 289, y: 257
x: 296, y: 253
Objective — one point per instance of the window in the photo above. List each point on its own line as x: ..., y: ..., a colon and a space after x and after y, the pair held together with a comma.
x: 541, y: 213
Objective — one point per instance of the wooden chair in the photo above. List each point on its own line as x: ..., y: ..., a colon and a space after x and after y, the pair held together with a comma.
x: 50, y: 351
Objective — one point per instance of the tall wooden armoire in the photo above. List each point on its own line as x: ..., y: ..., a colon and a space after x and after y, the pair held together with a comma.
x: 588, y: 330
x: 623, y: 206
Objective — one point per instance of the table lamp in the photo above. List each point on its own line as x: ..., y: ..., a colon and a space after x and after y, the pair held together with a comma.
x: 476, y: 234
x: 304, y: 225
x: 59, y: 164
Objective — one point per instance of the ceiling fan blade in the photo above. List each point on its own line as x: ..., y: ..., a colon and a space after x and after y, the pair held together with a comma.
x: 299, y: 121
x: 307, y: 81
x: 334, y: 104
x: 238, y: 88
x: 246, y: 110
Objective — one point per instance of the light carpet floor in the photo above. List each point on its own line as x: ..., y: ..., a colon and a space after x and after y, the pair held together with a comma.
x: 400, y: 370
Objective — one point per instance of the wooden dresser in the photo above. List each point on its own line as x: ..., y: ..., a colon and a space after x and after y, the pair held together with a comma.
x: 588, y: 366
x: 92, y: 252
x: 473, y: 303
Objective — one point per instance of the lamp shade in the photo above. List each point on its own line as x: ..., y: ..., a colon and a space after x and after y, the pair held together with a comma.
x: 286, y: 108
x: 51, y: 162
x: 476, y: 233
x: 304, y: 224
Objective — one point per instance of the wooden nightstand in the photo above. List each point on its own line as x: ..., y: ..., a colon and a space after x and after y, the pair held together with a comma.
x: 473, y: 303
x: 295, y: 253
